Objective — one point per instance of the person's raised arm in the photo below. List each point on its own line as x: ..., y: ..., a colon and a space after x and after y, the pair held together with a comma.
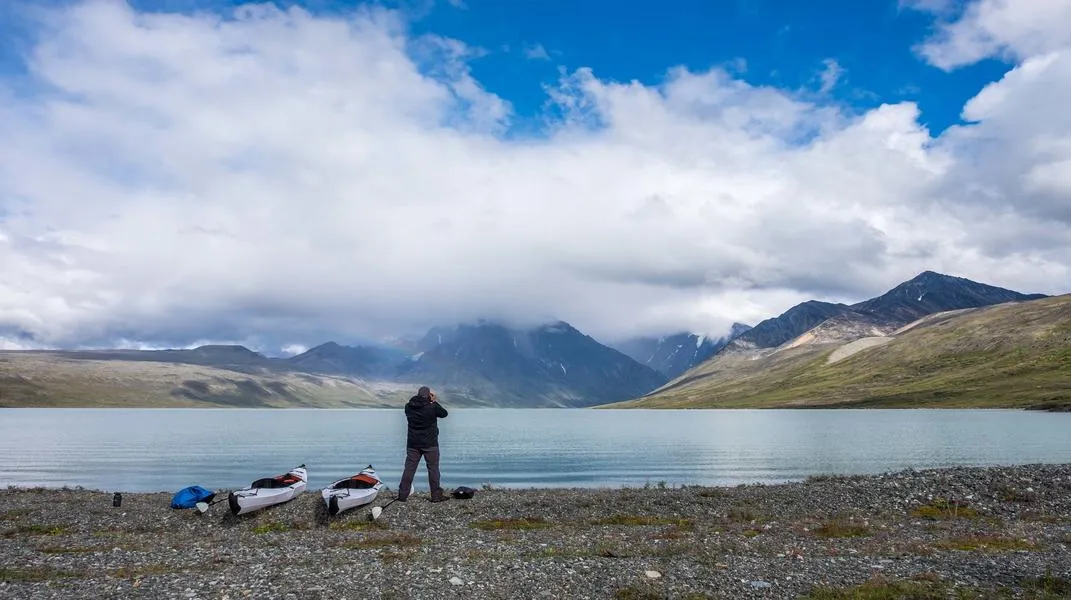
x: 439, y: 410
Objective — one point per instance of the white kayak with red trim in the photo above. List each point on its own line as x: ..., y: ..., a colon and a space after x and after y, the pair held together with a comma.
x: 351, y: 492
x: 269, y: 491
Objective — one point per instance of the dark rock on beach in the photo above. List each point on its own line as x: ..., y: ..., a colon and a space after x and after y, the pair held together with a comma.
x: 961, y: 532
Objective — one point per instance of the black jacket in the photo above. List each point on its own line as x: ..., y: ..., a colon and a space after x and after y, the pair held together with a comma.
x: 422, y: 415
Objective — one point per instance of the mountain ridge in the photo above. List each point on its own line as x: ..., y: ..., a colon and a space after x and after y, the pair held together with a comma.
x: 550, y: 365
x: 933, y: 292
x: 553, y: 365
x: 1012, y: 354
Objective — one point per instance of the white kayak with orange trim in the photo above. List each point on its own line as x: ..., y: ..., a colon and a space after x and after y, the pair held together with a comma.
x: 269, y: 491
x: 351, y: 492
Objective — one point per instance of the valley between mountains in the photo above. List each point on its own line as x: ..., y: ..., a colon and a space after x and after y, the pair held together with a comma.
x: 933, y: 341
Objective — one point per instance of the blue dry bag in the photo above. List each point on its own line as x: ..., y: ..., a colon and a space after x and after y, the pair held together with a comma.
x: 189, y: 497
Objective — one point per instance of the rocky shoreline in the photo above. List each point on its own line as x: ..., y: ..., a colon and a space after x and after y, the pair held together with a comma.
x: 959, y: 532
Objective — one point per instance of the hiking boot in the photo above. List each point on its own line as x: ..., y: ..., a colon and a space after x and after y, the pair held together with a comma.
x: 439, y: 498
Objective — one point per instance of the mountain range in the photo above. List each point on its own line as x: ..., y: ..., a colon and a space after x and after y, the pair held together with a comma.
x: 1014, y: 354
x: 925, y: 294
x: 476, y: 364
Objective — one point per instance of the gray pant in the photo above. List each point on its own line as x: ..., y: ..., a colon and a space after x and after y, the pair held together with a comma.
x: 431, y: 461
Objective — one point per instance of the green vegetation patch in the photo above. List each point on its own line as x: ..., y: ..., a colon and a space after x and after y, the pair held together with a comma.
x: 651, y: 592
x: 883, y: 590
x: 941, y: 509
x: 986, y: 544
x: 356, y: 525
x: 393, y: 556
x: 637, y: 520
x: 841, y: 529
x: 638, y: 592
x: 1045, y: 587
x: 930, y: 588
x: 522, y: 523
x: 15, y: 513
x: 66, y: 549
x: 271, y: 527
x: 30, y: 574
x: 387, y: 541
x: 22, y: 530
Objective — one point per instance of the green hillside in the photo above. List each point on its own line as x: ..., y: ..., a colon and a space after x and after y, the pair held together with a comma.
x: 63, y: 379
x: 1003, y: 356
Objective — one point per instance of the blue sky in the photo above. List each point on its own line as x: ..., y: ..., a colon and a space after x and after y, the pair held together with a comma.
x: 783, y: 43
x: 780, y: 43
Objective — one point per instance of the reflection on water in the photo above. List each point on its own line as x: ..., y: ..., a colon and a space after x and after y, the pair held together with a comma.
x: 167, y: 449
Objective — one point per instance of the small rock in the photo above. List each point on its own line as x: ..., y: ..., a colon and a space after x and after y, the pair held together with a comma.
x: 760, y: 584
x: 455, y: 580
x: 652, y: 574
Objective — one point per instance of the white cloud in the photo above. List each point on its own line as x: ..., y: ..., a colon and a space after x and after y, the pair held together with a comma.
x: 1010, y: 29
x: 536, y: 52
x: 293, y: 349
x: 830, y: 75
x: 173, y: 178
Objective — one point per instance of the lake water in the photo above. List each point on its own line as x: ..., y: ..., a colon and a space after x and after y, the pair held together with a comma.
x: 167, y: 449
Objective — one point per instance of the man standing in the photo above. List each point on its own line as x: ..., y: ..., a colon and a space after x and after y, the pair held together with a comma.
x: 422, y: 439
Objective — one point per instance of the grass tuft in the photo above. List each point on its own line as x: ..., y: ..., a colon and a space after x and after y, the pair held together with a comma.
x: 31, y: 574
x: 941, y: 509
x: 387, y: 541
x: 841, y: 529
x: 356, y: 525
x: 930, y: 587
x: 14, y: 513
x: 522, y: 523
x: 986, y: 544
x: 271, y: 527
x: 35, y: 530
x: 1047, y: 586
x: 882, y: 590
x: 633, y: 520
x: 394, y: 556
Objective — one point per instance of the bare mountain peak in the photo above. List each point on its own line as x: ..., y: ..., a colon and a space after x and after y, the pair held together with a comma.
x: 550, y: 364
x: 931, y: 292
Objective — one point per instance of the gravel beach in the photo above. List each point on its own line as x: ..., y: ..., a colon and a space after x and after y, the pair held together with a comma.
x: 960, y: 532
